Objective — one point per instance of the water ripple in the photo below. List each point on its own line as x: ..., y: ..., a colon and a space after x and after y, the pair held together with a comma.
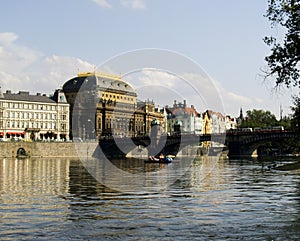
x: 44, y: 199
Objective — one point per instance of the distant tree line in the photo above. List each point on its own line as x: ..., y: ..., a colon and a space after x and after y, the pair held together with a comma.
x: 264, y: 119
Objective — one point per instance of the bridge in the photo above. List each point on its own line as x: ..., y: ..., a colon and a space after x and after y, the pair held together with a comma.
x: 238, y: 144
x: 246, y: 144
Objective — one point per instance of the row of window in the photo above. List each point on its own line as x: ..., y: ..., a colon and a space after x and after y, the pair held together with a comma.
x: 107, y: 96
x: 24, y: 124
x: 16, y: 105
x: 40, y: 125
x: 118, y: 97
x: 33, y: 115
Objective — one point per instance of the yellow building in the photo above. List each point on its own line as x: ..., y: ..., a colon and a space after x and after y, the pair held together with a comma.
x: 104, y: 104
x: 206, y: 123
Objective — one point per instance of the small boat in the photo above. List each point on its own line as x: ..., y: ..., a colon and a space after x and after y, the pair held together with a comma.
x: 160, y: 159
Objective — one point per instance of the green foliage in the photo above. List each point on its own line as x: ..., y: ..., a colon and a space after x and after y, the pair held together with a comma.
x: 259, y: 118
x: 283, y: 62
x: 285, y: 122
x: 295, y: 122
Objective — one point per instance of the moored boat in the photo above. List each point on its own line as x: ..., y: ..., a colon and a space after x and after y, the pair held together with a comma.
x: 160, y: 159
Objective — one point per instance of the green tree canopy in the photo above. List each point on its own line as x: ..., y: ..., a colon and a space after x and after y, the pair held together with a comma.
x: 283, y: 62
x: 259, y: 118
x: 295, y: 122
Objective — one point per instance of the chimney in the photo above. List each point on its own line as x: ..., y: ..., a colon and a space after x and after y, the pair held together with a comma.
x: 23, y: 92
x: 1, y: 94
x: 184, y: 103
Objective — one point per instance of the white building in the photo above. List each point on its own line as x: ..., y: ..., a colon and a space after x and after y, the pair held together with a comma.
x: 230, y: 123
x: 34, y: 117
x: 184, y: 119
x: 215, y: 122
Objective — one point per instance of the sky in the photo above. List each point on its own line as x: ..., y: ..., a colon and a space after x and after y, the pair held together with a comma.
x: 210, y: 53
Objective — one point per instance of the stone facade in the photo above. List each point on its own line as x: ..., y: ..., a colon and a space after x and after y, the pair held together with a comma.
x: 34, y: 117
x: 103, y: 105
x: 38, y: 149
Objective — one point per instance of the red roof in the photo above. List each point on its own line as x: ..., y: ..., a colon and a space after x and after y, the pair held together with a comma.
x: 186, y: 110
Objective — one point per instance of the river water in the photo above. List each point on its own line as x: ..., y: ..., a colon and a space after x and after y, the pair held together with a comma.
x: 57, y: 199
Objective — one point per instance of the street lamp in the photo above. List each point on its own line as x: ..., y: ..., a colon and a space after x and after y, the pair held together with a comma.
x: 91, y: 133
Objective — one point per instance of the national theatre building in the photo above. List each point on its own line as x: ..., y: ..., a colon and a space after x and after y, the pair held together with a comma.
x: 102, y: 105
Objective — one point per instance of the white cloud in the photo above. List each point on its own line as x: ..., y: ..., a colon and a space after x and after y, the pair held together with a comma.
x: 237, y: 98
x: 164, y: 88
x: 102, y: 3
x: 22, y: 68
x: 135, y: 4
x: 156, y: 77
x: 198, y: 90
x: 7, y: 38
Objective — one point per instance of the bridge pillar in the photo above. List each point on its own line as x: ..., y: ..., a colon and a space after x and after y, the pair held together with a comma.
x: 237, y: 150
x: 234, y: 149
x: 157, y: 140
x: 154, y: 138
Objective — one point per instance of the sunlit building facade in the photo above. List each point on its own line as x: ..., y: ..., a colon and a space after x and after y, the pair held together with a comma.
x: 33, y: 117
x: 103, y: 105
x: 183, y: 119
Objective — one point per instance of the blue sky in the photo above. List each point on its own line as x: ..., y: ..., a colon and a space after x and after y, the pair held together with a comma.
x: 44, y: 43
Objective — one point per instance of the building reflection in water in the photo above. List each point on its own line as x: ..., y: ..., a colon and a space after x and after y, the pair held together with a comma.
x: 210, y: 182
x: 207, y: 173
x: 65, y: 176
x: 83, y: 185
x: 34, y: 176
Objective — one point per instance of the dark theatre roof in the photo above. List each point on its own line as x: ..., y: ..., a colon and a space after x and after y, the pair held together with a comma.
x: 25, y: 96
x: 104, y: 82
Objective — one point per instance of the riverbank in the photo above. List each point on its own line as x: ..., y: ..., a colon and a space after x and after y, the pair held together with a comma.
x: 75, y: 150
x: 38, y: 149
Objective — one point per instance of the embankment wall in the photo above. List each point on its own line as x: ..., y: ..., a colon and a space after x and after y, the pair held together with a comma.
x: 39, y: 149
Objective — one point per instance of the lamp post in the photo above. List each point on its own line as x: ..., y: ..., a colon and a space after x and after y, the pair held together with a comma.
x: 91, y: 132
x: 3, y: 122
x: 83, y: 132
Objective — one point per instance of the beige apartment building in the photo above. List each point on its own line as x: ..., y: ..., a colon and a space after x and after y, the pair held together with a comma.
x: 33, y: 117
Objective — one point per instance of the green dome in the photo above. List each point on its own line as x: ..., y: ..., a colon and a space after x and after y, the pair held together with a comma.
x: 155, y: 122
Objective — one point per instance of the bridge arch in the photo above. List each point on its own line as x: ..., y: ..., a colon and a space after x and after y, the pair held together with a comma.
x: 21, y: 153
x: 247, y: 144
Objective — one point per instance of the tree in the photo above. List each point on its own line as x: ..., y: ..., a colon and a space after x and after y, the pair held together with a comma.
x: 285, y: 122
x: 295, y: 122
x: 283, y: 62
x: 259, y: 118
